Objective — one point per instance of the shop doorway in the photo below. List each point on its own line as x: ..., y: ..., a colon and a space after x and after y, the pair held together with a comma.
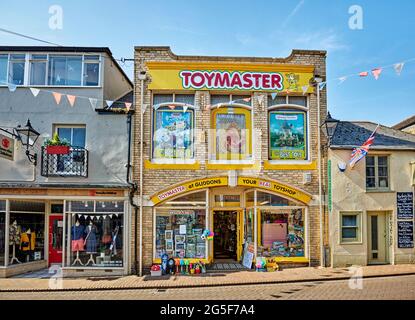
x: 377, y: 238
x: 226, y: 240
x: 55, y: 238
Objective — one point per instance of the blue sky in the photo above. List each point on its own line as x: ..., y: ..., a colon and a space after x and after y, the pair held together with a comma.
x: 249, y: 28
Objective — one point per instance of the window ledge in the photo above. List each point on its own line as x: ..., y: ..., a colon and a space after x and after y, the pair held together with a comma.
x: 354, y: 243
x: 177, y: 165
x: 233, y: 165
x: 379, y: 191
x: 300, y: 165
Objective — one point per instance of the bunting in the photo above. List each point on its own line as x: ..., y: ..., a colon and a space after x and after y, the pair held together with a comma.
x: 35, y: 91
x: 57, y: 96
x: 305, y: 89
x: 376, y: 73
x: 128, y: 106
x: 109, y: 103
x: 321, y: 86
x: 342, y: 79
x: 71, y: 99
x: 398, y: 68
x: 93, y: 103
x: 12, y: 87
x: 364, y: 74
x: 274, y: 95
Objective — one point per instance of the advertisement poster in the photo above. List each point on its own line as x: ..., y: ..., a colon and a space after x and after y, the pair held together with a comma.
x: 173, y: 135
x: 405, y: 205
x: 287, y: 135
x: 231, y: 135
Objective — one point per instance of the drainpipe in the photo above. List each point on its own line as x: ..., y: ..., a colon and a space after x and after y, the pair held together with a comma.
x: 133, y: 186
x: 320, y: 203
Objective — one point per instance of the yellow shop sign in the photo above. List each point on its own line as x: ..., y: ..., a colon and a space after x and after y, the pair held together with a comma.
x: 243, y: 77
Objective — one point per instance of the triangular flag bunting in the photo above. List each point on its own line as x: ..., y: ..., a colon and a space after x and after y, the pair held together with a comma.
x: 156, y: 106
x: 274, y: 95
x: 93, y: 103
x: 12, y: 87
x: 57, y: 97
x: 109, y: 103
x: 128, y: 106
x: 398, y: 68
x: 35, y: 91
x: 305, y: 89
x: 261, y: 99
x: 321, y: 85
x: 247, y: 99
x: 71, y: 99
x: 172, y: 107
x: 185, y: 107
x: 342, y: 79
x: 376, y: 73
x: 364, y: 74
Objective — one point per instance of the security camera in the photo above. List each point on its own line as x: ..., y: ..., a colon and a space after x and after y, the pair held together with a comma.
x: 142, y: 75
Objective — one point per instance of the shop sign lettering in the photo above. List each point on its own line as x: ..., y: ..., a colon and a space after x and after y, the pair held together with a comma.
x: 171, y: 192
x: 405, y: 205
x: 232, y: 80
x: 6, y: 148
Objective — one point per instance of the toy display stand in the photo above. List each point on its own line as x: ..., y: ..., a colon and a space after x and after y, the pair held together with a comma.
x: 77, y: 260
x: 91, y: 259
x: 14, y: 259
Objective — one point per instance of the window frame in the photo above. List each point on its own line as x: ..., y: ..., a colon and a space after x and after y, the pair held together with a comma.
x: 25, y: 70
x: 291, y: 107
x: 190, y: 108
x: 376, y: 167
x: 56, y: 127
x: 359, y: 227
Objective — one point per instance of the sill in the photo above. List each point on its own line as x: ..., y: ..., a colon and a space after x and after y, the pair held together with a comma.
x: 291, y: 165
x: 233, y: 165
x: 351, y: 243
x: 176, y: 165
x: 379, y: 191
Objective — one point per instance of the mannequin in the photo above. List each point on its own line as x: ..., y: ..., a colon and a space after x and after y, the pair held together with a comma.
x: 77, y: 241
x: 91, y: 242
x: 14, y: 239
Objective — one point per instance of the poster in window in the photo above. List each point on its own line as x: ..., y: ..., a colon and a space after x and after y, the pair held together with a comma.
x: 230, y: 134
x: 173, y: 135
x: 287, y: 135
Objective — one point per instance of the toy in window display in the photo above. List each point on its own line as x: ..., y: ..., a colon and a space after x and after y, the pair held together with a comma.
x: 77, y: 243
x: 170, y: 265
x: 14, y: 239
x: 91, y: 242
x: 164, y: 259
x: 177, y: 262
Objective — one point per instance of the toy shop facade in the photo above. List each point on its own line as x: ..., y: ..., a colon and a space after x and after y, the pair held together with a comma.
x: 228, y: 149
x: 74, y: 232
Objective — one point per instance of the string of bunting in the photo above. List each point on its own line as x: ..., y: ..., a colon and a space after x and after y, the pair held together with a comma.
x: 96, y: 217
x: 71, y: 98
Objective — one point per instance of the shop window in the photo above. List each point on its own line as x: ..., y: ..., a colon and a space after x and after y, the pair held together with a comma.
x: 17, y: 68
x: 188, y: 200
x: 269, y: 199
x: 231, y: 134
x: 38, y: 69
x: 377, y: 172
x: 96, y: 234
x: 284, y: 100
x: 288, y: 135
x: 227, y: 200
x: 26, y: 232
x: 282, y: 233
x: 2, y: 231
x: 249, y: 199
x: 179, y: 233
x: 173, y: 127
x: 350, y: 227
x: 249, y: 225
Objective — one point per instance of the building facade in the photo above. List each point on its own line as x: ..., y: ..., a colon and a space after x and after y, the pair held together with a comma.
x: 71, y: 208
x: 407, y: 125
x: 228, y: 145
x: 371, y: 209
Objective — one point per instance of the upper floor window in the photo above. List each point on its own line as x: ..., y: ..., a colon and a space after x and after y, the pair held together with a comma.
x: 50, y: 69
x: 231, y: 128
x: 173, y: 126
x: 75, y: 135
x: 377, y: 172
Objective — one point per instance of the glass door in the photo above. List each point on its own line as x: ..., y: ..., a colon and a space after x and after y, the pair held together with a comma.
x: 55, y: 239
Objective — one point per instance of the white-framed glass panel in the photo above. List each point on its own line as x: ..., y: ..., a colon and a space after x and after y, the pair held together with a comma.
x: 377, y: 172
x: 350, y: 227
x: 38, y: 69
x: 4, y: 59
x: 284, y: 100
x: 65, y: 70
x: 195, y: 199
x: 26, y: 232
x: 265, y: 199
x: 91, y: 70
x: 249, y: 225
x: 2, y: 231
x: 278, y: 100
x: 96, y: 236
x: 75, y: 135
x: 282, y: 233
x: 179, y: 232
x: 17, y: 64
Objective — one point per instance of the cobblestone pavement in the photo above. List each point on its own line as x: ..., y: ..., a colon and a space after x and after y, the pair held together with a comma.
x: 394, y: 288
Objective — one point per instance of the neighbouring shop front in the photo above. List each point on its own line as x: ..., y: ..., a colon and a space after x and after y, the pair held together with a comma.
x: 83, y: 235
x: 208, y: 221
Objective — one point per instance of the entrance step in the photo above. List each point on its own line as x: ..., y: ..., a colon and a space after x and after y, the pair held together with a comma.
x: 226, y: 267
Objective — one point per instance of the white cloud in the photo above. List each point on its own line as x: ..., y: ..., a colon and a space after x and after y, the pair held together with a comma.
x: 293, y: 13
x: 326, y: 40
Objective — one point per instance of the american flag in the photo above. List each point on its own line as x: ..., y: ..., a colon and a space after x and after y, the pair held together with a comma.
x: 361, y: 152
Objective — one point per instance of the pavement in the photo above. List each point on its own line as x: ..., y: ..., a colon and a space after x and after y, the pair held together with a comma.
x: 240, y: 278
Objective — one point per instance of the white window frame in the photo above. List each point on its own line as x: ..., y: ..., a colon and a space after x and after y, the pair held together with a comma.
x: 177, y: 104
x: 211, y: 150
x: 376, y: 165
x: 70, y: 126
x: 359, y: 227
x: 305, y: 109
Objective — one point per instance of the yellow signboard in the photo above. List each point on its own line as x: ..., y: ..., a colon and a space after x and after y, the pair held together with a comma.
x: 188, y: 187
x: 230, y: 76
x: 274, y: 187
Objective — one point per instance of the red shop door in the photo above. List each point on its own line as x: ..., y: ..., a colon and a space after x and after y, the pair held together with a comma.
x: 55, y: 239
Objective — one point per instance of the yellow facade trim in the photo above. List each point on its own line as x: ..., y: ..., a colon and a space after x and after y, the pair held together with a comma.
x: 273, y: 166
x: 223, y: 166
x: 165, y: 65
x: 291, y: 260
x: 171, y: 166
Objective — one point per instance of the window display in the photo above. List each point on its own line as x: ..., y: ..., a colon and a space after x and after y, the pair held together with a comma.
x: 179, y: 233
x: 282, y: 233
x: 288, y: 135
x: 26, y: 232
x: 2, y: 231
x: 96, y: 233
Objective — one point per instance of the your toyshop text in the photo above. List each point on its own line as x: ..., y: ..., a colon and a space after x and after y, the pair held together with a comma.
x: 231, y: 309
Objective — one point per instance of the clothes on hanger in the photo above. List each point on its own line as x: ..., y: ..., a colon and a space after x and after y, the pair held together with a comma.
x: 28, y: 241
x: 14, y: 234
x: 91, y: 239
x: 77, y: 236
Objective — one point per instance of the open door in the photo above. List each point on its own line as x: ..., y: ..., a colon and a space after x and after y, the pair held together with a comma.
x: 55, y: 239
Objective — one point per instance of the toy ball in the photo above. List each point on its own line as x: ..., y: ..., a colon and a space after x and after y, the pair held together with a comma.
x: 210, y: 236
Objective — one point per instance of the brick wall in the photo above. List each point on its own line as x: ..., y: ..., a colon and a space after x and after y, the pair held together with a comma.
x: 157, y: 180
